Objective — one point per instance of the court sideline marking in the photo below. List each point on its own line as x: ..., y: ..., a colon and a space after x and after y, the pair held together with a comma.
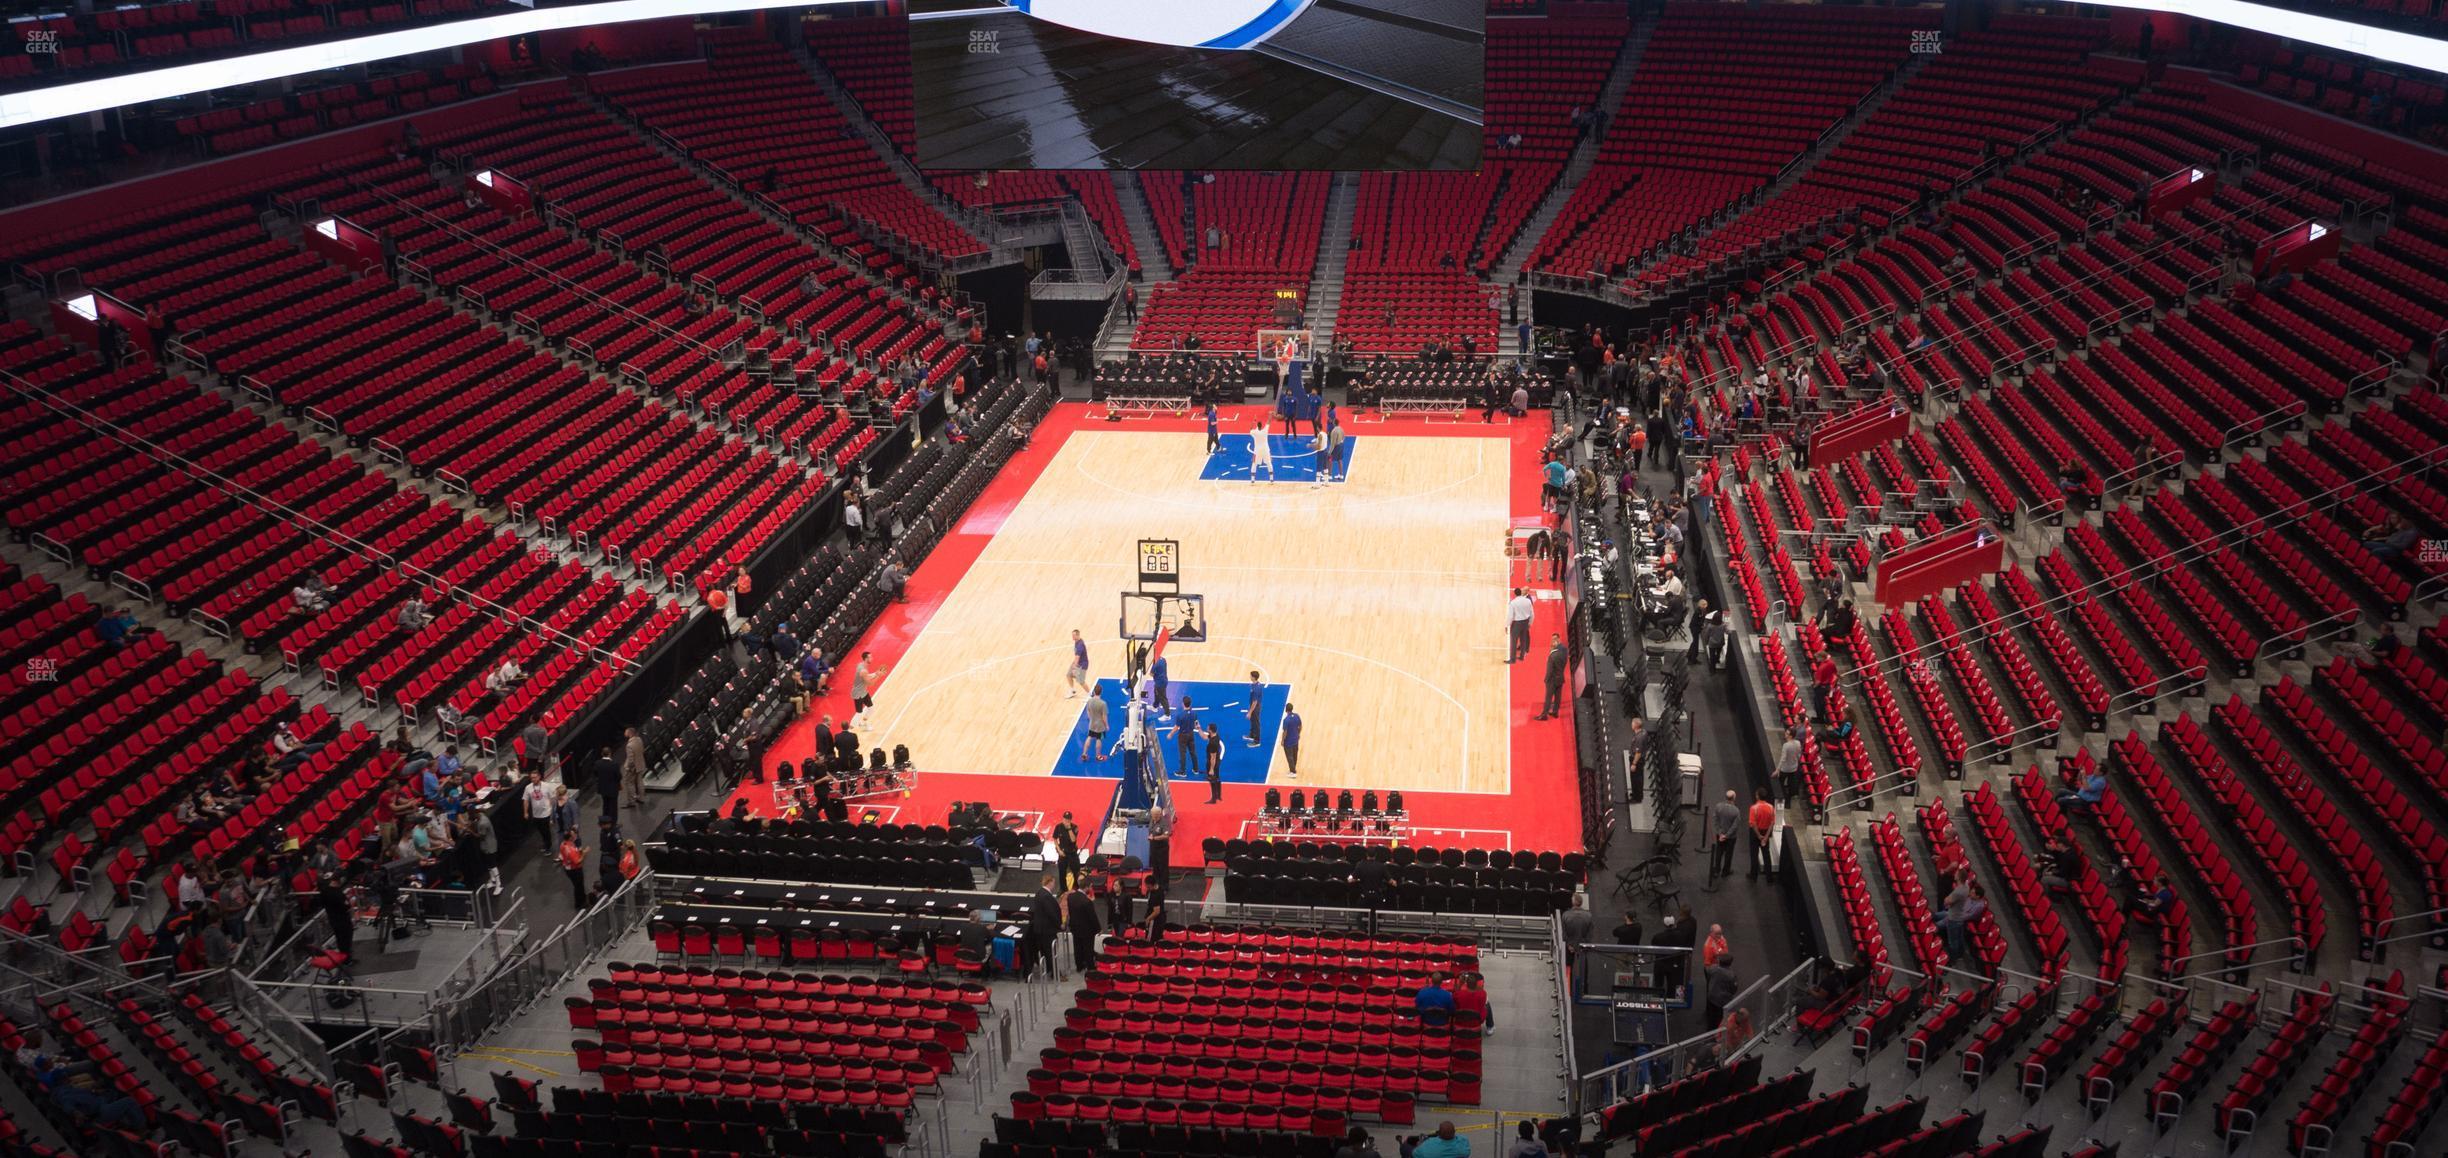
x: 1128, y: 564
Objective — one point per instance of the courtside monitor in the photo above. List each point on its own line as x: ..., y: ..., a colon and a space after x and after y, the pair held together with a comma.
x: 1219, y: 84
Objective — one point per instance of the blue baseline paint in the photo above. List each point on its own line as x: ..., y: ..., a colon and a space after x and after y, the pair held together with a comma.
x: 1226, y: 705
x: 1295, y: 458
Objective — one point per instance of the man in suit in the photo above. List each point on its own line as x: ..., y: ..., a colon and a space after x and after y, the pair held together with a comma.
x: 633, y: 771
x: 1369, y: 877
x: 1556, y: 664
x: 1045, y: 919
x: 1080, y: 917
x: 607, y: 779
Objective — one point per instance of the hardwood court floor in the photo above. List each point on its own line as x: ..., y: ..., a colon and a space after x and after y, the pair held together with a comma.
x: 1379, y: 599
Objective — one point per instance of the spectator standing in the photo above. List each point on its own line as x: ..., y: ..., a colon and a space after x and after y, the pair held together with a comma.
x: 1823, y: 683
x: 1789, y: 767
x: 1080, y: 920
x: 1160, y: 844
x: 1722, y: 986
x: 1959, y: 917
x: 534, y: 743
x: 1725, y: 821
x: 337, y: 915
x: 1763, y: 830
x: 1576, y: 921
x: 538, y: 798
x: 1681, y: 930
x: 1370, y: 875
x: 487, y: 842
x: 565, y: 810
x: 633, y: 770
x: 573, y: 865
x: 1045, y: 919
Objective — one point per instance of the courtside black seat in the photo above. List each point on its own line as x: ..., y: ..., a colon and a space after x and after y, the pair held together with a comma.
x: 1422, y: 888
x: 930, y: 864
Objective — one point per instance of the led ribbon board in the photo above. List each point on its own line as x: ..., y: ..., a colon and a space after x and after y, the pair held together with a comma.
x: 93, y: 96
x: 1203, y: 24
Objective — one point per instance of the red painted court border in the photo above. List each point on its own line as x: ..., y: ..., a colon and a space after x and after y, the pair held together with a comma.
x: 1541, y: 811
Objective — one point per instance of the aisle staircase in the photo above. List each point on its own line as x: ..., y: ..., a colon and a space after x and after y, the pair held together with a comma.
x: 1800, y: 167
x: 978, y: 223
x: 1584, y: 156
x: 1154, y: 265
x: 1334, y: 252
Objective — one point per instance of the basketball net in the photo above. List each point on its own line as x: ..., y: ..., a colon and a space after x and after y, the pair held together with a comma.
x: 1284, y: 347
x: 1147, y: 674
x: 1138, y: 736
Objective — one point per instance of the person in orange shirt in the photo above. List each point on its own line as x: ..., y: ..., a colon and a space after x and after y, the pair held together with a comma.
x: 1714, y: 947
x: 1763, y: 829
x: 573, y: 865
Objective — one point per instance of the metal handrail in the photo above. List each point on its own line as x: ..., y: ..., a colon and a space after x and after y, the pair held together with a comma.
x: 2390, y: 924
x: 2290, y: 939
x: 337, y: 535
x: 2221, y: 540
x: 2179, y: 232
x: 1901, y: 781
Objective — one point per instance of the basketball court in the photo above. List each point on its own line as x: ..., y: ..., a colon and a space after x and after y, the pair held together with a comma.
x: 1373, y: 606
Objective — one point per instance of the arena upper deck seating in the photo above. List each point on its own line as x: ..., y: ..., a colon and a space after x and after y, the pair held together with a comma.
x: 236, y: 128
x: 1266, y: 226
x: 1419, y: 240
x: 1714, y: 111
x: 126, y: 37
x: 752, y: 114
x: 648, y: 204
x: 2040, y: 329
x: 1998, y: 87
x: 614, y: 312
x: 870, y: 56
